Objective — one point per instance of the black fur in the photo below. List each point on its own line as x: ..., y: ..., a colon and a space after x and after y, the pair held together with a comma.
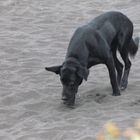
x: 96, y: 43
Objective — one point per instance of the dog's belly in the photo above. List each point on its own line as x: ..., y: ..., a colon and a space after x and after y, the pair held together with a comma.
x: 94, y: 61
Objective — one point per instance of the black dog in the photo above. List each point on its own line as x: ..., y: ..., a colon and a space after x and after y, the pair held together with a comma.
x: 96, y: 43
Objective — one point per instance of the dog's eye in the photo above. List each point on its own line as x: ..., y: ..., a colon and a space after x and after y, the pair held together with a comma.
x: 64, y: 81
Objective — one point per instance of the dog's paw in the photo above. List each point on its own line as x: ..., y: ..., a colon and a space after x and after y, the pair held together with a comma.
x: 123, y: 85
x: 116, y: 94
x: 122, y: 88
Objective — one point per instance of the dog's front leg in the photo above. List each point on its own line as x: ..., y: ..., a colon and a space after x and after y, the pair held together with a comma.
x: 113, y: 77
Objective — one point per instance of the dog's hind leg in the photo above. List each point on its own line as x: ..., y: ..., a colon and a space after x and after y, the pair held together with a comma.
x: 118, y: 65
x: 127, y: 62
x: 131, y: 49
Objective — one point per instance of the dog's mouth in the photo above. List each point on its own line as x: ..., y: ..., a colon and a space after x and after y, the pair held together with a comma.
x: 68, y: 101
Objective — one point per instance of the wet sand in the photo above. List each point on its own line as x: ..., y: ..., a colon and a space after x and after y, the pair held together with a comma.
x: 35, y: 34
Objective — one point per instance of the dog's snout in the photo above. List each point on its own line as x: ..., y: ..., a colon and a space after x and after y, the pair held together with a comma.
x: 71, y: 83
x: 64, y: 98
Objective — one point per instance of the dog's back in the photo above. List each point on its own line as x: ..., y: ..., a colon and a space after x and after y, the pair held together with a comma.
x: 117, y: 19
x: 111, y: 26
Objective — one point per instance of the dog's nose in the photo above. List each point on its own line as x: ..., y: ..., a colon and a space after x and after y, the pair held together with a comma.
x: 64, y: 98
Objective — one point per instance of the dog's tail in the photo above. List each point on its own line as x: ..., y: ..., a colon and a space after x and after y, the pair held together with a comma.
x: 133, y: 46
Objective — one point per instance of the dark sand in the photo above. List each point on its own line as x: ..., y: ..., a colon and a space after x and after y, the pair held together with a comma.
x: 35, y: 34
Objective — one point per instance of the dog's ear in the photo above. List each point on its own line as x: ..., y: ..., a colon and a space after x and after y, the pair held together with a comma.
x: 55, y: 69
x: 83, y: 73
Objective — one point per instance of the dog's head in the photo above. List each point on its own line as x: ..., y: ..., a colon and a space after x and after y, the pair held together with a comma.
x: 71, y: 76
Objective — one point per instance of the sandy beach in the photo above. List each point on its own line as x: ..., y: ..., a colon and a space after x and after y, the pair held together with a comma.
x: 35, y: 34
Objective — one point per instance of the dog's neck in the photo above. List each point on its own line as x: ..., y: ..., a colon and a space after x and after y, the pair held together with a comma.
x: 72, y: 61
